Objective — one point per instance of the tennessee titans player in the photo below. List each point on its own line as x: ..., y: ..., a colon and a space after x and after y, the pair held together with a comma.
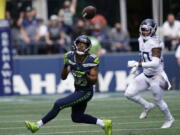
x: 153, y: 77
x: 84, y: 68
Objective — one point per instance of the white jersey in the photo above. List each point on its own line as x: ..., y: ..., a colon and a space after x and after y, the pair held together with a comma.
x: 146, y: 54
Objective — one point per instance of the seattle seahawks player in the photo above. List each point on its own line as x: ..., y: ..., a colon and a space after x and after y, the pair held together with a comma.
x: 153, y: 77
x: 84, y: 68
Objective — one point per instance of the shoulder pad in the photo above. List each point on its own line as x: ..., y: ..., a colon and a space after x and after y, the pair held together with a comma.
x: 156, y: 42
x: 70, y: 53
x: 68, y: 56
x: 139, y: 39
x: 95, y: 59
x: 93, y: 55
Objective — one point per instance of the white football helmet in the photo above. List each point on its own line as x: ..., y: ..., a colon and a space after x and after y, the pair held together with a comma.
x: 147, y: 28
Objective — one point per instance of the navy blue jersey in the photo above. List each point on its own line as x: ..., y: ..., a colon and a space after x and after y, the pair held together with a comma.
x: 80, y: 70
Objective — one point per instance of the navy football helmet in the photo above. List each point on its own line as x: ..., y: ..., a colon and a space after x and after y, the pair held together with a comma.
x: 82, y: 39
x: 147, y: 28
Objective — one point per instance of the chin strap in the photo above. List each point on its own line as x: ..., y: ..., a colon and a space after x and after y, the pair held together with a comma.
x: 82, y: 53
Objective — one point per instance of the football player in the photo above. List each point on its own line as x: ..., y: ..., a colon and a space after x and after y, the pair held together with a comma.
x: 84, y: 68
x: 153, y: 77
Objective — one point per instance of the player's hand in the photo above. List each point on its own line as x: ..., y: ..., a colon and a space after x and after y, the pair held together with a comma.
x: 78, y: 73
x: 133, y: 70
x: 133, y: 63
x: 68, y: 68
x: 132, y: 74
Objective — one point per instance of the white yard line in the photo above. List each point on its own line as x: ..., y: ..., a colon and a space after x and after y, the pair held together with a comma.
x: 97, y: 97
x: 97, y: 131
x: 122, y: 108
x: 94, y: 113
x: 86, y: 125
x: 68, y: 119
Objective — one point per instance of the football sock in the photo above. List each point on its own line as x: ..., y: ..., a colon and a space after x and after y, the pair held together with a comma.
x: 100, y: 122
x: 167, y: 114
x: 164, y: 108
x: 40, y: 123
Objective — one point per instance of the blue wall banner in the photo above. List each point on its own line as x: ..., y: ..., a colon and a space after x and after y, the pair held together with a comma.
x: 41, y: 75
x: 5, y: 59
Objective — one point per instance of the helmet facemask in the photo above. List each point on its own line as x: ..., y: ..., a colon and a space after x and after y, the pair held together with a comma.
x: 79, y: 46
x: 80, y: 43
x: 80, y: 50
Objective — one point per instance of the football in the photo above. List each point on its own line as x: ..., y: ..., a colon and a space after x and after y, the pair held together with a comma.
x: 89, y: 12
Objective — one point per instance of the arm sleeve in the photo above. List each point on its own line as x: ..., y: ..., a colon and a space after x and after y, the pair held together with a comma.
x: 154, y: 63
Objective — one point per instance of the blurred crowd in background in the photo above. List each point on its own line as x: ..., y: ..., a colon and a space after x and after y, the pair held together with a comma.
x: 32, y: 35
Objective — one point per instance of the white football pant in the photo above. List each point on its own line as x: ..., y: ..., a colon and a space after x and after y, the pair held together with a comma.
x: 156, y: 85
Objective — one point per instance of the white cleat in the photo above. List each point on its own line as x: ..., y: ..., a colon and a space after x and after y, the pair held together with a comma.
x: 168, y: 123
x: 144, y: 114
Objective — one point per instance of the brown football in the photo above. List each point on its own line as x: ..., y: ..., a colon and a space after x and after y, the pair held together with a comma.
x: 89, y: 12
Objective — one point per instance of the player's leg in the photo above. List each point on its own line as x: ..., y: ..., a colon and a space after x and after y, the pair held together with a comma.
x: 132, y: 92
x: 135, y: 87
x: 157, y: 87
x: 79, y: 116
x: 74, y: 98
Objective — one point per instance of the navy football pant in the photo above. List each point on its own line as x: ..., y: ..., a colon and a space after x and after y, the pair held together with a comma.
x: 78, y: 101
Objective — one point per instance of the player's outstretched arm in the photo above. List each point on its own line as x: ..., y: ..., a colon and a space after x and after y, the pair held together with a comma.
x: 92, y: 75
x: 155, y: 60
x: 65, y: 71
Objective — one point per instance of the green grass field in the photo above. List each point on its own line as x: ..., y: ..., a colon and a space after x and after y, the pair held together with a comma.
x: 124, y: 113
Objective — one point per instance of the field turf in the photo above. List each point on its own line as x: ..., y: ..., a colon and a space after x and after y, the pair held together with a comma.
x: 124, y: 114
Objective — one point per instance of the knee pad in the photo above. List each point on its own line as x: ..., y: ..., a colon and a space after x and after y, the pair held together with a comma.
x: 130, y: 91
x: 127, y: 95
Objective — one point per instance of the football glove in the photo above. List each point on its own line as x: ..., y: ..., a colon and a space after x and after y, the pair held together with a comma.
x: 78, y: 73
x: 132, y: 74
x: 133, y: 70
x: 133, y: 63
